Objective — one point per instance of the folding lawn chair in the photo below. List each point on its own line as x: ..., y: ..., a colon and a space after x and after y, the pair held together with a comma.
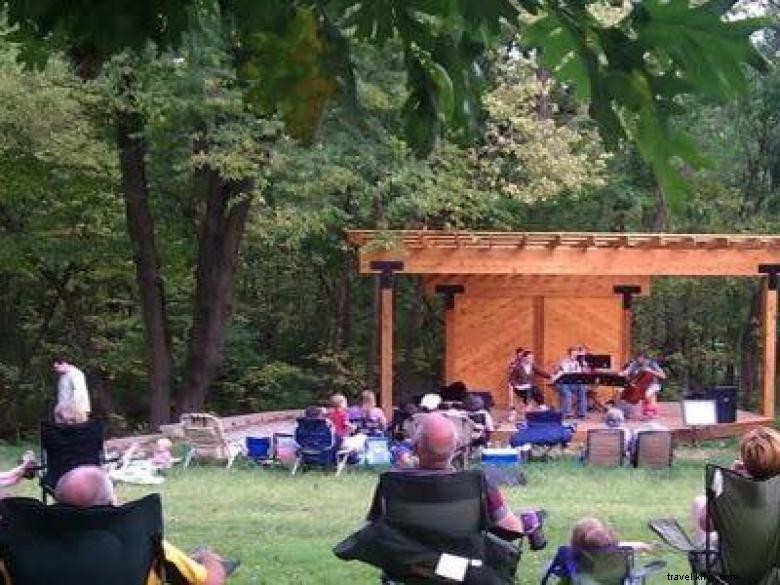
x: 745, y: 514
x: 544, y: 428
x: 65, y: 545
x: 613, y: 565
x: 416, y: 518
x: 318, y: 446
x: 605, y: 447
x: 205, y: 438
x: 653, y: 449
x: 65, y: 447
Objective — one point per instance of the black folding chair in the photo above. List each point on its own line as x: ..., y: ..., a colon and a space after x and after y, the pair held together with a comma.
x: 66, y: 545
x: 417, y: 517
x: 65, y: 447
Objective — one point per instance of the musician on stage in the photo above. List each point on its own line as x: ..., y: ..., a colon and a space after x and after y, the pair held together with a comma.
x: 522, y: 380
x: 571, y: 365
x: 643, y: 371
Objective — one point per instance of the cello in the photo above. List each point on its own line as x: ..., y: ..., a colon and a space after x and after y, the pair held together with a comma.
x: 636, y: 389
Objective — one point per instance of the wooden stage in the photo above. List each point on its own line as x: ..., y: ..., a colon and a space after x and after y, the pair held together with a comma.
x: 670, y: 415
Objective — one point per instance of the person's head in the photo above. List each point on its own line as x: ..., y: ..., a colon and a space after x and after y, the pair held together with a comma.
x: 85, y: 486
x: 163, y: 444
x: 592, y: 533
x: 313, y: 412
x: 69, y: 413
x: 642, y: 358
x: 435, y: 441
x: 367, y: 399
x: 430, y: 402
x: 760, y: 451
x: 473, y: 403
x: 573, y: 352
x: 519, y: 351
x: 59, y: 364
x: 614, y: 417
x: 528, y: 356
x: 338, y: 401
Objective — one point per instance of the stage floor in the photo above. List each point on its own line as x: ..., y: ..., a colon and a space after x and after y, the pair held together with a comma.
x: 669, y: 415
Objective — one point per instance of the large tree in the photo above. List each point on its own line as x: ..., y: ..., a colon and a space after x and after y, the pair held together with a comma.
x: 292, y: 59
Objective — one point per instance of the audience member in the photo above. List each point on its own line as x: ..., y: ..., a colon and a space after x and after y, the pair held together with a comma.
x: 759, y: 460
x: 373, y: 419
x: 22, y: 470
x: 89, y: 486
x: 162, y: 458
x: 430, y: 402
x: 480, y: 416
x: 614, y: 419
x: 592, y: 533
x: 68, y: 412
x: 338, y: 415
x: 72, y: 385
x: 434, y: 444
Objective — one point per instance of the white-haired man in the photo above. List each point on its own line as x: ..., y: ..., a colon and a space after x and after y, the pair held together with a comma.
x: 88, y: 486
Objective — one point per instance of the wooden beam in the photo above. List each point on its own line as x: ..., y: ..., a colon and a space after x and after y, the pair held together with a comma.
x: 533, y: 260
x: 450, y: 345
x: 386, y: 352
x: 538, y: 325
x: 769, y: 348
x: 511, y: 286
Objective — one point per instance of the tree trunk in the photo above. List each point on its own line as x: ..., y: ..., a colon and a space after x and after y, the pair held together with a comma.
x: 343, y: 325
x: 749, y: 354
x: 140, y: 227
x: 222, y: 227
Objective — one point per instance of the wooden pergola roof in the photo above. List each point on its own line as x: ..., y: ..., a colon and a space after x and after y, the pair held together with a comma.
x: 567, y: 253
x: 416, y: 239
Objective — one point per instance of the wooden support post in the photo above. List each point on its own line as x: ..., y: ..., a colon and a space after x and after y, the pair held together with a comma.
x: 448, y: 291
x: 627, y: 292
x: 769, y: 343
x: 386, y: 357
x: 386, y: 332
x: 538, y: 346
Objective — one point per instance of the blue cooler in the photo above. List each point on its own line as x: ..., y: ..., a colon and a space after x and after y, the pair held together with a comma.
x: 505, y: 456
x: 258, y: 448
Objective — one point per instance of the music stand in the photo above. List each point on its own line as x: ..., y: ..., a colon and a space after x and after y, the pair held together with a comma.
x: 699, y: 413
x: 597, y: 361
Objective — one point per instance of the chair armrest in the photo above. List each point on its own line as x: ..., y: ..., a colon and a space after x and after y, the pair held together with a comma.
x: 504, y: 534
x: 648, y: 569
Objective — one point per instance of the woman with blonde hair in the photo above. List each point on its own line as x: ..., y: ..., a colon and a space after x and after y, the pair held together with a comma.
x: 370, y: 413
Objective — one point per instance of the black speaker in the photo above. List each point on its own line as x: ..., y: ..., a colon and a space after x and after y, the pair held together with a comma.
x: 726, y: 399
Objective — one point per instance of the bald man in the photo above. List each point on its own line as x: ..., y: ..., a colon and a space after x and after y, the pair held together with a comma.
x: 88, y: 486
x: 435, y: 442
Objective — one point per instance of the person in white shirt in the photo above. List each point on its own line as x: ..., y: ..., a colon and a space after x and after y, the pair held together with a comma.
x: 570, y: 365
x: 71, y: 386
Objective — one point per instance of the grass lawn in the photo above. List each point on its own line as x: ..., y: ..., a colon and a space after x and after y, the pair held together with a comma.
x: 282, y: 528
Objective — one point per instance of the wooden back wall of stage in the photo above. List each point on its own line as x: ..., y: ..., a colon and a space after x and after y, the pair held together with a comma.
x: 487, y: 323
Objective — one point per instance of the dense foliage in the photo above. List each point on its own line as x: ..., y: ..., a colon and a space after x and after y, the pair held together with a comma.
x: 192, y: 193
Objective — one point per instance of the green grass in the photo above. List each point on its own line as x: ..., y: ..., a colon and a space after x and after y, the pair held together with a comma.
x: 282, y: 528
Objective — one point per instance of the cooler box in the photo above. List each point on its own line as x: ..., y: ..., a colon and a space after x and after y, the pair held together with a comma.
x: 377, y: 452
x: 505, y: 456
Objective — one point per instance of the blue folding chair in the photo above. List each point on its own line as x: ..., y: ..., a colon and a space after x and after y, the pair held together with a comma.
x: 318, y: 446
x: 544, y: 428
x: 613, y: 565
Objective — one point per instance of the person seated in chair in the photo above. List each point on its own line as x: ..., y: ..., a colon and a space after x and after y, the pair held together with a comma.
x: 435, y: 443
x: 760, y: 460
x: 69, y: 413
x: 476, y: 411
x: 89, y: 486
x: 594, y: 533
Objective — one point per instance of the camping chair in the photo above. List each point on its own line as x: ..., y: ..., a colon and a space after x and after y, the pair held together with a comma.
x: 745, y: 514
x: 613, y: 565
x: 605, y: 447
x: 653, y: 449
x: 318, y: 446
x: 65, y: 447
x: 544, y: 428
x: 65, y: 545
x: 417, y: 517
x: 205, y: 438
